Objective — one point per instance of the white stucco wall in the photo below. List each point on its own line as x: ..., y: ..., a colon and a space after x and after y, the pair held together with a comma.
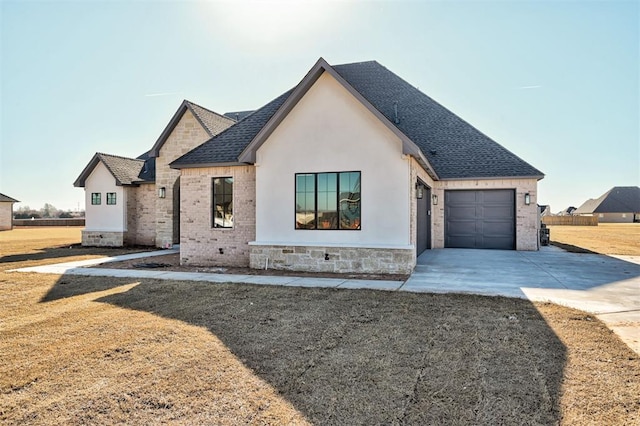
x: 104, y: 217
x: 331, y: 131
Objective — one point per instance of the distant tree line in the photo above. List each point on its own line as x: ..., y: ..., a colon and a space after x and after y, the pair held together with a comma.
x: 47, y: 211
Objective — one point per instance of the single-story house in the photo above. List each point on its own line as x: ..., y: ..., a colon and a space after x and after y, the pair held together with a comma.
x: 619, y: 204
x: 6, y: 212
x: 352, y: 170
x: 135, y: 201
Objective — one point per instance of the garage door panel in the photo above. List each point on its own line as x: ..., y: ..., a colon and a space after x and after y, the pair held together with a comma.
x: 465, y: 227
x: 463, y: 213
x: 503, y: 213
x: 497, y: 197
x: 480, y: 219
x: 462, y: 197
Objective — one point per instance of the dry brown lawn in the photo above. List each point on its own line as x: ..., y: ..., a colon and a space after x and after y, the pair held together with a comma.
x: 86, y: 350
x: 606, y: 238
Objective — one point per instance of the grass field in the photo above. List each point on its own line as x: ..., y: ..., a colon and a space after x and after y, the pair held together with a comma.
x: 87, y: 350
x: 606, y: 238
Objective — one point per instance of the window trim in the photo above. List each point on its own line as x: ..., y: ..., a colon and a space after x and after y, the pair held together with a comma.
x: 315, y: 200
x: 213, y: 202
x: 114, y: 199
x: 96, y: 196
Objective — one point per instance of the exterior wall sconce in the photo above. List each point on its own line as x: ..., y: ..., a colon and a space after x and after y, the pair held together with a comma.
x: 162, y: 192
x: 527, y: 198
x: 434, y: 199
x: 419, y: 191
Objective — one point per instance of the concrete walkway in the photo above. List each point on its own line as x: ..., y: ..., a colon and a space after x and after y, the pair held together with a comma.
x: 607, y: 286
x: 80, y: 268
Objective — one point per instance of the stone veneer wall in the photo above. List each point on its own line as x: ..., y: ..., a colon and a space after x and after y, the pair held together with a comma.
x: 187, y: 135
x: 333, y: 259
x: 141, y: 215
x: 102, y: 238
x: 200, y: 243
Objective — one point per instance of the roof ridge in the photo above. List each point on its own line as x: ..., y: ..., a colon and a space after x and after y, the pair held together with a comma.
x: 119, y: 156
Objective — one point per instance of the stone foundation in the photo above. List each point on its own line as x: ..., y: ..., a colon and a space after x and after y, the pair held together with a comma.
x: 102, y: 239
x: 333, y: 259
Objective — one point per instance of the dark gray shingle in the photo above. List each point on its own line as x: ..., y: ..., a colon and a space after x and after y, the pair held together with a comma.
x: 227, y: 146
x: 619, y: 199
x: 455, y: 149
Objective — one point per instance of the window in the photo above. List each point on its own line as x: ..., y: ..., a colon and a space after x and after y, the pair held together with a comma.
x: 328, y: 201
x: 95, y: 198
x: 111, y: 198
x: 223, y: 202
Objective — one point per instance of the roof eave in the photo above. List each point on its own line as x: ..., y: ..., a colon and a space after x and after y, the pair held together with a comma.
x: 80, y: 181
x: 204, y: 165
x: 537, y: 177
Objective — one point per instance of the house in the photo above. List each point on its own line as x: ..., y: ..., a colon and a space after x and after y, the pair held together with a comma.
x: 6, y: 212
x: 545, y: 210
x: 620, y: 204
x: 135, y: 201
x: 569, y: 211
x: 352, y: 170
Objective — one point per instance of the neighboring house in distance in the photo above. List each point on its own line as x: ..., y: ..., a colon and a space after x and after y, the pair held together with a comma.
x: 620, y: 204
x: 569, y: 211
x: 6, y: 212
x: 353, y: 170
x: 136, y: 201
x: 545, y: 210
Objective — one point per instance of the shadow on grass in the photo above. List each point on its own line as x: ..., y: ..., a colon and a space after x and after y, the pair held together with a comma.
x: 70, y: 251
x: 371, y: 357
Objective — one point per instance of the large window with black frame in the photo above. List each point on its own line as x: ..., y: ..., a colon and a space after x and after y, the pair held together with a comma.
x: 328, y: 201
x: 222, y: 202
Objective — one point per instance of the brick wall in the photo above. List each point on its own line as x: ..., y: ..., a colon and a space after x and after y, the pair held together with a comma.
x: 200, y: 243
x: 141, y: 217
x: 527, y: 222
x: 187, y: 135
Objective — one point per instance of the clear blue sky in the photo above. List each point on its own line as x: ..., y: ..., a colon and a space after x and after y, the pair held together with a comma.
x: 557, y: 83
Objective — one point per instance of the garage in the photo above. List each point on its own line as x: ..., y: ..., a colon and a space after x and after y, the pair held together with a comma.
x: 480, y: 219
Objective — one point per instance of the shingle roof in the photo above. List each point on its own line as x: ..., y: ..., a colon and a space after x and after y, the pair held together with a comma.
x: 227, y: 146
x: 7, y: 199
x: 213, y: 122
x: 454, y: 148
x: 238, y: 115
x: 148, y: 171
x: 126, y: 171
x: 619, y: 199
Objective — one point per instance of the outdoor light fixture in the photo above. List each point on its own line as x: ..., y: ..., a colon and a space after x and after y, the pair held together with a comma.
x: 419, y: 191
x: 434, y: 199
x: 527, y: 198
x: 162, y: 192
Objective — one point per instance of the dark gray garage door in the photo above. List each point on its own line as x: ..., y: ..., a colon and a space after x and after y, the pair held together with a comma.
x: 480, y: 219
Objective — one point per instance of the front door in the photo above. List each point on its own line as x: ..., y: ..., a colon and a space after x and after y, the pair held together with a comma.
x: 423, y: 218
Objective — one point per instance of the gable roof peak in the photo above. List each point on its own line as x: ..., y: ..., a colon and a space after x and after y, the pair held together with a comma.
x: 7, y: 199
x: 212, y: 123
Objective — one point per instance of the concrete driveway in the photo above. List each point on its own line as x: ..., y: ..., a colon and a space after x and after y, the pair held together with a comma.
x: 608, y: 286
